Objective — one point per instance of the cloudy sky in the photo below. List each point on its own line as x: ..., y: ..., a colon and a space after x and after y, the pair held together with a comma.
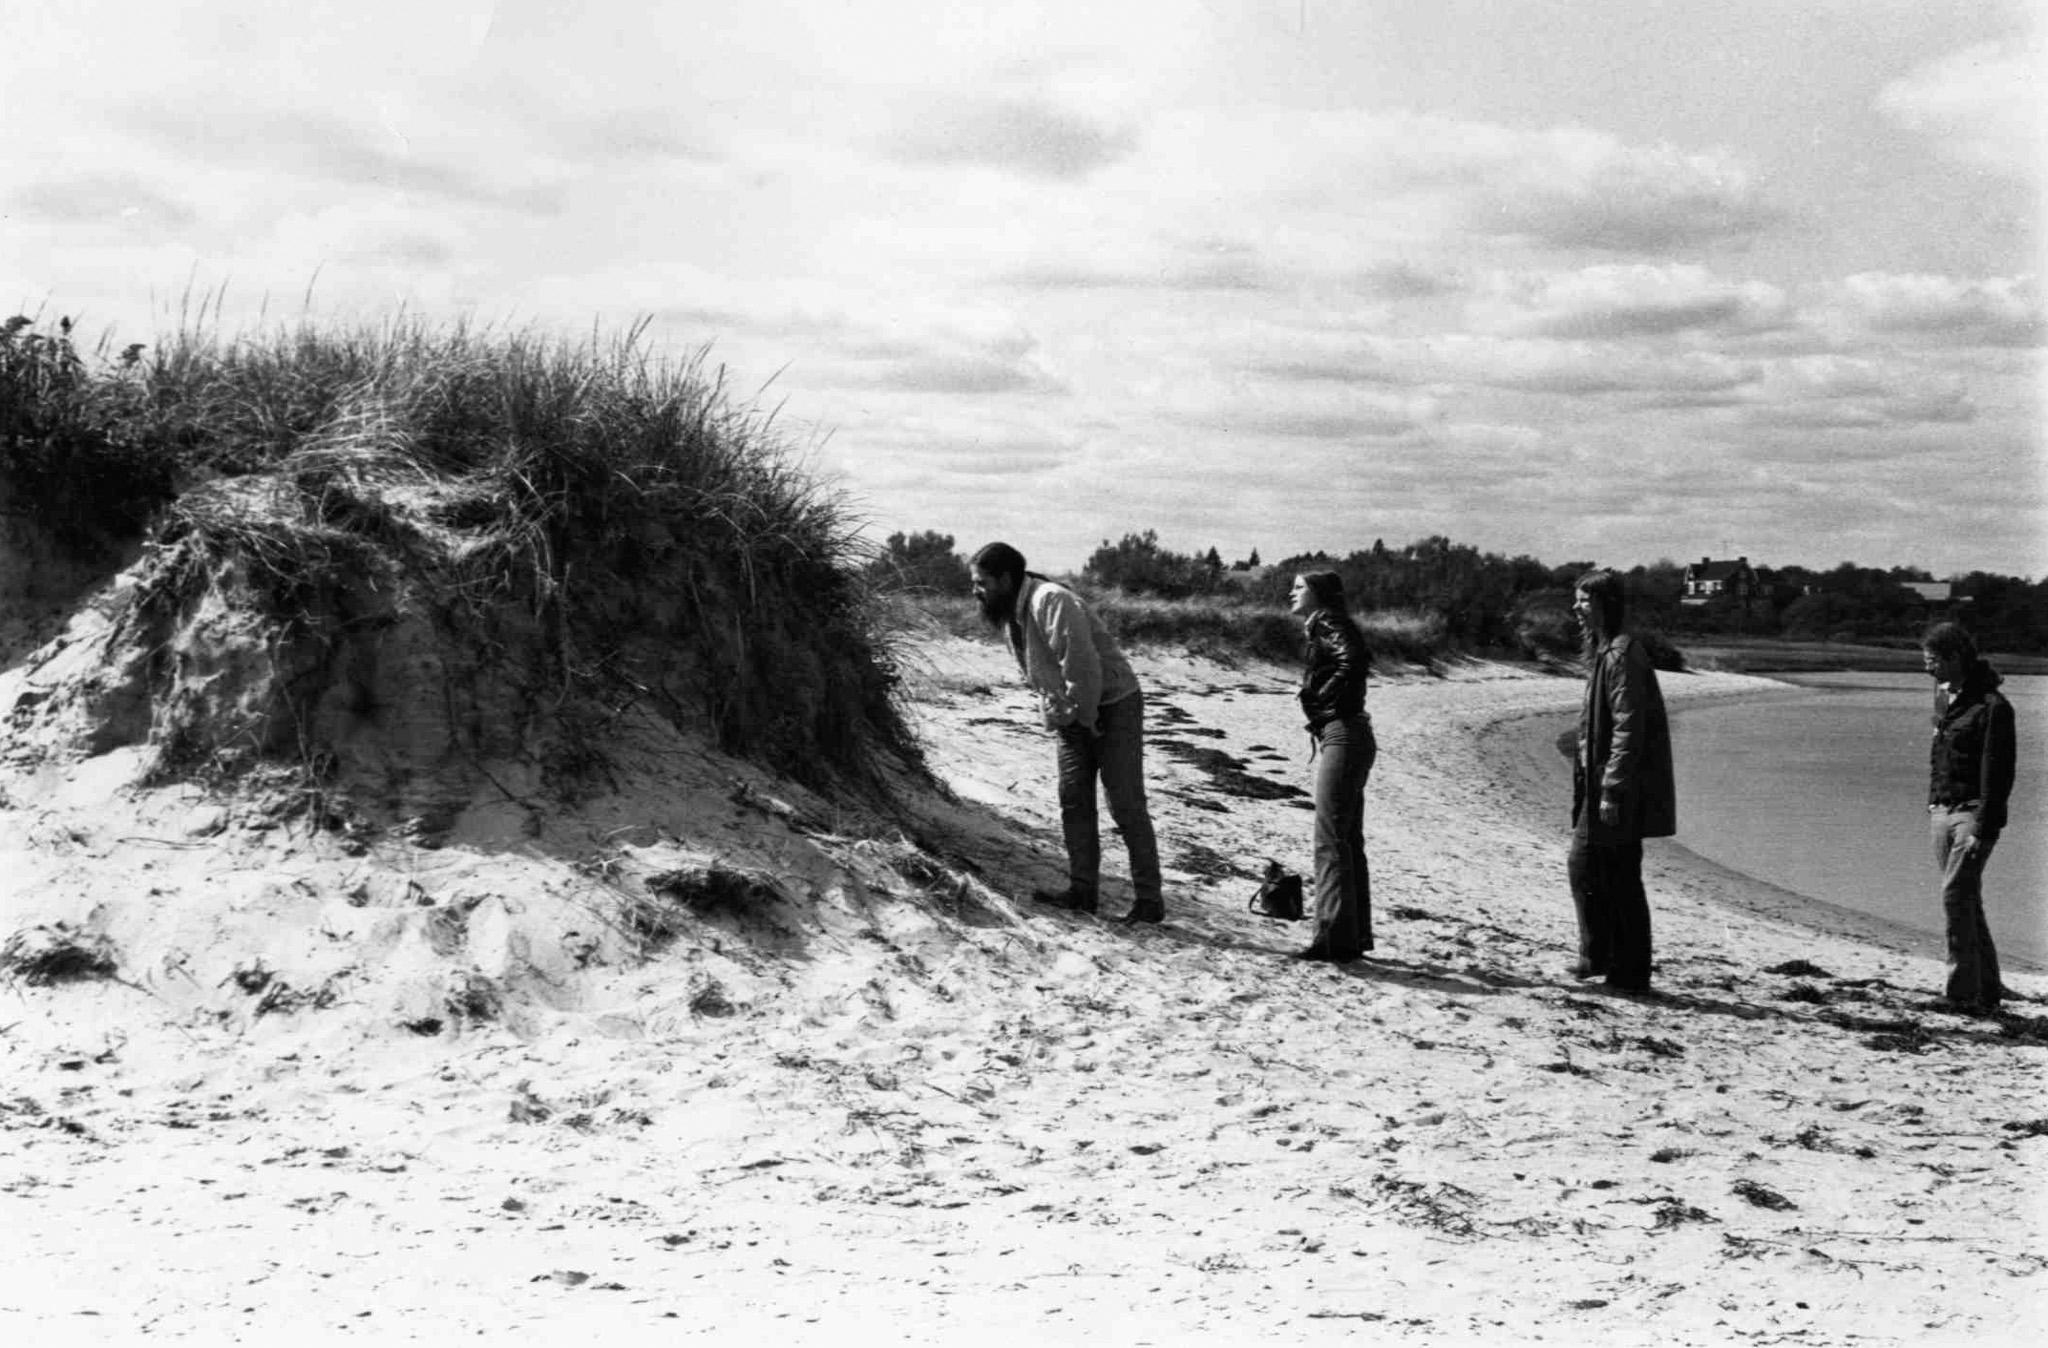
x: 1589, y: 279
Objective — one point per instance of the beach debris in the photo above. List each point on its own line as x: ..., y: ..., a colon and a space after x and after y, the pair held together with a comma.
x: 1666, y: 1155
x: 568, y: 1277
x: 2027, y: 1127
x: 1442, y: 1207
x: 473, y: 996
x: 1887, y: 1035
x: 2026, y: 1029
x: 1762, y: 1196
x: 1799, y: 969
x: 282, y: 998
x: 57, y: 952
x: 526, y: 1107
x: 709, y: 998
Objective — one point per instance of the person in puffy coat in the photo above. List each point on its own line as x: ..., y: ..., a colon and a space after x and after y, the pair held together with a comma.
x: 1970, y: 776
x: 1343, y: 749
x: 1622, y: 789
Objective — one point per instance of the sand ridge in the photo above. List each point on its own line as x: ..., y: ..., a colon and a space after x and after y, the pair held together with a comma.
x: 893, y: 1102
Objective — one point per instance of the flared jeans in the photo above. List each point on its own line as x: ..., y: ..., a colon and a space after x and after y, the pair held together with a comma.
x: 1613, y: 910
x: 1972, y: 960
x: 1345, y: 750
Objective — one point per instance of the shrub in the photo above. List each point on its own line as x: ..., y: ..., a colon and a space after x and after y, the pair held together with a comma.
x: 922, y: 562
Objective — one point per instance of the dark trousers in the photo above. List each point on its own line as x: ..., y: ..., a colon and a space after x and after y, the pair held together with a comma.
x: 1972, y: 959
x: 1613, y: 910
x: 1345, y: 751
x: 1117, y: 758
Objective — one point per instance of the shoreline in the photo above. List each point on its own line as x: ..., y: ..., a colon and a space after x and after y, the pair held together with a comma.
x: 1523, y: 748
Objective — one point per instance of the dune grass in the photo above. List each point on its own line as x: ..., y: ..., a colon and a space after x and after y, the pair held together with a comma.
x: 613, y: 498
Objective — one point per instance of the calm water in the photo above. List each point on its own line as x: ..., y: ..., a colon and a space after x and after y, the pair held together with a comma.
x: 1824, y: 792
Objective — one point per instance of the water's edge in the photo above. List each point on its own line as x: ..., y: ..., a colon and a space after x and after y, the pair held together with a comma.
x: 1523, y: 749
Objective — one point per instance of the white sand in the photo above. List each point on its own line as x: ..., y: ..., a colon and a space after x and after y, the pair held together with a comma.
x: 896, y: 1105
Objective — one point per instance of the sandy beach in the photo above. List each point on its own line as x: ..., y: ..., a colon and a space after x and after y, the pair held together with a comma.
x: 347, y: 1090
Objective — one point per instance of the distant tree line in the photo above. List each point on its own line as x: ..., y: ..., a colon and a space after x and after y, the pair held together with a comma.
x: 1487, y: 601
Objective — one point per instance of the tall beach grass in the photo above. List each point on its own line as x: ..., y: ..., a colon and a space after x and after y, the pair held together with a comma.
x: 665, y: 541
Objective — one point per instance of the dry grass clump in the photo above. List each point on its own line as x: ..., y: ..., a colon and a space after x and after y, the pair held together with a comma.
x: 601, y: 519
x: 57, y: 952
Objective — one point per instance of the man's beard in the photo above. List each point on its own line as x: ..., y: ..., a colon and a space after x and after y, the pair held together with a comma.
x: 998, y: 609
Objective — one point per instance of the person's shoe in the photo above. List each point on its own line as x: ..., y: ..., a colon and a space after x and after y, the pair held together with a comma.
x: 1141, y: 911
x: 1584, y: 968
x: 1315, y: 954
x: 1074, y: 901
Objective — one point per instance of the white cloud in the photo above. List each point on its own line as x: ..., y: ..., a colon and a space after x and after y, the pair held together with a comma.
x: 1629, y: 301
x: 1589, y: 190
x: 1981, y: 105
x: 1029, y: 136
x: 1995, y: 311
x: 1856, y: 393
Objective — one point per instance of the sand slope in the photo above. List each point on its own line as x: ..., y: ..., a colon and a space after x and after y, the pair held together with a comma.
x: 875, y: 1097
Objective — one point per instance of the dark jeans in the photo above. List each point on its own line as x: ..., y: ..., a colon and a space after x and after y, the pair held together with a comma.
x: 1345, y: 751
x: 1117, y: 757
x: 1613, y: 910
x: 1972, y: 960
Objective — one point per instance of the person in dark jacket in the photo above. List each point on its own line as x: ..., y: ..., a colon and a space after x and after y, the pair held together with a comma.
x: 1970, y: 776
x: 1333, y: 700
x: 1622, y: 789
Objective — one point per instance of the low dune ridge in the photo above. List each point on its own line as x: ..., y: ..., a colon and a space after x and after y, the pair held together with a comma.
x: 714, y: 1052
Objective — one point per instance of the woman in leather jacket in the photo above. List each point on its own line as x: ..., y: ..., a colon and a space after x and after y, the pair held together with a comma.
x: 1333, y: 700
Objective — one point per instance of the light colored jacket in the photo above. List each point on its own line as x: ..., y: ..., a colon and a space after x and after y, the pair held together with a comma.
x: 1067, y: 655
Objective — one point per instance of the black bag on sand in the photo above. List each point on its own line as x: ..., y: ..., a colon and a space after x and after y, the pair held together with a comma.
x: 1279, y: 896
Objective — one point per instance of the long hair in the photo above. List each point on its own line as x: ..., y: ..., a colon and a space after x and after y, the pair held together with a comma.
x: 1610, y: 598
x: 1327, y: 589
x: 1000, y: 559
x: 1950, y: 641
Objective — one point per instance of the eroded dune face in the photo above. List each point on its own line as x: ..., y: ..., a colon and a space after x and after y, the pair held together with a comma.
x: 400, y: 651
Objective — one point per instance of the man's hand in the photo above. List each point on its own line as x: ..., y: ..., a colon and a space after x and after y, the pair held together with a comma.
x: 1610, y: 811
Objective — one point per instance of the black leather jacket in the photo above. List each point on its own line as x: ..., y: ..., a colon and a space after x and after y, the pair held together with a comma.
x: 1333, y: 683
x: 1971, y: 759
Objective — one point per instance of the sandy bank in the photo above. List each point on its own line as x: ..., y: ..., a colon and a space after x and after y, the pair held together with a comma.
x: 918, y: 1111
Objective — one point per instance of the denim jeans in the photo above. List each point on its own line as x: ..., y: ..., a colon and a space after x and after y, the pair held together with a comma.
x: 1117, y: 757
x: 1613, y: 910
x: 1972, y: 960
x: 1345, y: 750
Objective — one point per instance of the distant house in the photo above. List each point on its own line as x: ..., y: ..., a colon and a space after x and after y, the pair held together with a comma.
x: 1937, y: 598
x: 1933, y: 592
x: 1707, y: 580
